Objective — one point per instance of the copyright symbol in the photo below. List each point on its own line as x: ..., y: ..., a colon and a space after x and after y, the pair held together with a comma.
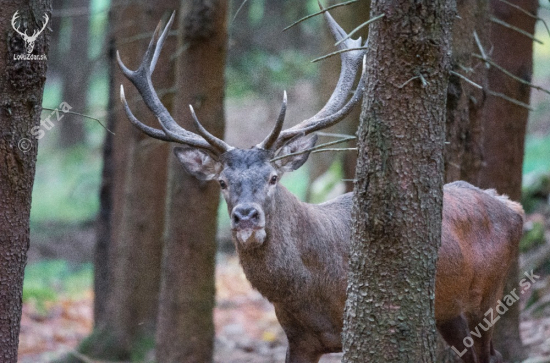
x: 24, y: 145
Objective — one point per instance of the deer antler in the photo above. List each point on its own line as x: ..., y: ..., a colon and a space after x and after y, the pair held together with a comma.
x: 338, y: 106
x: 171, y: 131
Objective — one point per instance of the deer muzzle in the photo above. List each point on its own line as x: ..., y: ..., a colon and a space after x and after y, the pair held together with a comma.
x: 248, y: 224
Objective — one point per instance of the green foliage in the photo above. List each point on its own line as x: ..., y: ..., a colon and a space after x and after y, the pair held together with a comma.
x: 258, y: 70
x: 48, y: 280
x: 533, y: 238
x: 537, y: 152
x: 67, y: 185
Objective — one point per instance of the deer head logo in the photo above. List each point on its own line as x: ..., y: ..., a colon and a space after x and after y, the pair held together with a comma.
x: 29, y: 39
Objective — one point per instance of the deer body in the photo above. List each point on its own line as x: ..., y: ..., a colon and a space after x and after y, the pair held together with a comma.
x: 296, y: 254
x: 302, y: 265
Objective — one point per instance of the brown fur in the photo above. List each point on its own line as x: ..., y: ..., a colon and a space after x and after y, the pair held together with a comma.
x: 302, y: 266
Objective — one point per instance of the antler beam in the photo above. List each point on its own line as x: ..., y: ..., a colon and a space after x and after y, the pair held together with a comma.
x: 141, y: 78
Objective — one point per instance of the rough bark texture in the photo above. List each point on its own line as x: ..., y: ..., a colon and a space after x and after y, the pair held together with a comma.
x: 504, y: 128
x: 398, y: 193
x: 464, y: 134
x: 464, y: 142
x: 351, y: 16
x: 133, y: 204
x: 75, y: 74
x: 185, y: 330
x: 21, y: 89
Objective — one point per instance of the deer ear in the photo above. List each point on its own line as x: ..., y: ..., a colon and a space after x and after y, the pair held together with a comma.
x: 197, y: 162
x: 295, y: 145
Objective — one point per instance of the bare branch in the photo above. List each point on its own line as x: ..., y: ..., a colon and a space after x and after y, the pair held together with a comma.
x: 371, y: 20
x: 510, y: 74
x: 336, y: 53
x: 407, y: 82
x: 238, y: 11
x: 466, y: 79
x: 78, y: 114
x: 319, y: 13
x: 515, y: 28
x: 481, y: 50
x: 509, y: 99
x: 331, y: 134
x: 527, y: 13
x: 312, y: 149
x: 335, y: 149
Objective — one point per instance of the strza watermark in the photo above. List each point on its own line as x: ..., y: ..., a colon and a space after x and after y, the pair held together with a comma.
x: 46, y: 124
x: 501, y: 308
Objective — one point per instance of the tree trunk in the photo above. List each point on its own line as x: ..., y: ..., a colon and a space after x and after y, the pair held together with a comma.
x: 75, y: 74
x: 185, y: 330
x: 464, y: 134
x: 505, y: 126
x: 352, y: 16
x: 133, y: 199
x: 398, y: 194
x: 21, y: 89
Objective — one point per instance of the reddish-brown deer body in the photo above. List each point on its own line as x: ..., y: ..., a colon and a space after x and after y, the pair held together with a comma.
x: 296, y: 254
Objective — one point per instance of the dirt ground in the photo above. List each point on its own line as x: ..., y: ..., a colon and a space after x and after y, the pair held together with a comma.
x: 247, y: 330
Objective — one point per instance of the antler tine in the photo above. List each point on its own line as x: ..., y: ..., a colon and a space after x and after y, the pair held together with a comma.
x: 141, y: 79
x: 338, y: 106
x: 220, y: 145
x: 268, y: 142
x: 315, y: 124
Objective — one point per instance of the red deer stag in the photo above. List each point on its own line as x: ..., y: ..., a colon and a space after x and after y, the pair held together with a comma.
x: 296, y: 254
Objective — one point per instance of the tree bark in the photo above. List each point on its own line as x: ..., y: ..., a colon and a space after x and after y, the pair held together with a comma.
x: 185, y: 330
x: 75, y: 74
x: 133, y: 198
x: 21, y: 89
x: 398, y: 193
x: 464, y: 136
x: 505, y: 126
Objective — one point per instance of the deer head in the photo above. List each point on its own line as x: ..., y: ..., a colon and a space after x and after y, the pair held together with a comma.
x: 248, y: 178
x: 29, y: 39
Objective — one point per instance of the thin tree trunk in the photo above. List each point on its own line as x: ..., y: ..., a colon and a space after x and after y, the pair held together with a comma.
x: 504, y: 127
x: 464, y: 136
x: 21, y: 89
x: 185, y: 330
x: 76, y: 74
x: 129, y: 246
x: 398, y: 194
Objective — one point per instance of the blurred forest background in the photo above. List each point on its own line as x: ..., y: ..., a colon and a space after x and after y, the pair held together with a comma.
x: 262, y: 61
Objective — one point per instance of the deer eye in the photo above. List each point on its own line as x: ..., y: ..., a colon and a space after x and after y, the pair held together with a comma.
x: 273, y: 180
x: 223, y: 184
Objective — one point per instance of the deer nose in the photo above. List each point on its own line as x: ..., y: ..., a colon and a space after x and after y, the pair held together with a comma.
x: 246, y: 216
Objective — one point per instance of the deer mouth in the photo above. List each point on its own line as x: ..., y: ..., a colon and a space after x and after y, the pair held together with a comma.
x: 250, y: 237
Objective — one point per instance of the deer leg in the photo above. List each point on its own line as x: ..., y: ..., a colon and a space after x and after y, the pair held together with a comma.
x: 300, y: 353
x: 456, y: 333
x: 484, y: 344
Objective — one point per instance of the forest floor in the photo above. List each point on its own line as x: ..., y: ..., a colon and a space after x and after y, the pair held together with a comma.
x: 246, y: 327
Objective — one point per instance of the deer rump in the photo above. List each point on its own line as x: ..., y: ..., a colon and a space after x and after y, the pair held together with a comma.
x: 306, y: 278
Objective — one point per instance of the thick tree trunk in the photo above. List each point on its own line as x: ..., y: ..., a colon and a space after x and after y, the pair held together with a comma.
x: 185, y: 330
x: 352, y: 16
x: 21, y: 89
x: 504, y: 128
x: 398, y: 194
x: 76, y: 73
x: 133, y: 199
